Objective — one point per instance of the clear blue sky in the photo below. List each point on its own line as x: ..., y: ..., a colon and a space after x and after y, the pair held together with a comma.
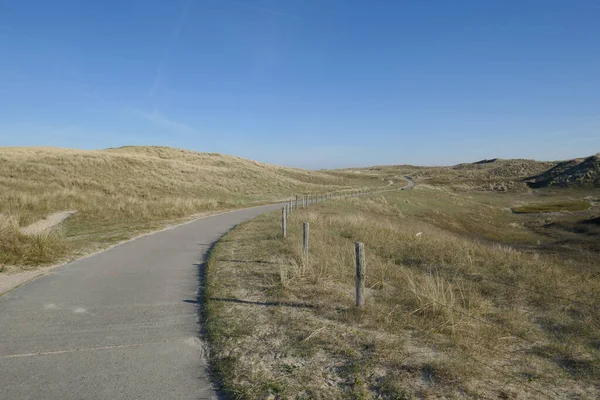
x: 310, y: 83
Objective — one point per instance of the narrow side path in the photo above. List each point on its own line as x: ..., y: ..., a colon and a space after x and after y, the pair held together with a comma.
x: 49, y: 222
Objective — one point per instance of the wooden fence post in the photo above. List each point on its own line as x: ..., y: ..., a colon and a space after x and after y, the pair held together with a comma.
x: 284, y: 221
x: 305, y: 228
x: 296, y: 205
x: 359, y: 249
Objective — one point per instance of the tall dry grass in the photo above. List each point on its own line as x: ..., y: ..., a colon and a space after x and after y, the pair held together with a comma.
x: 21, y: 249
x: 449, y: 313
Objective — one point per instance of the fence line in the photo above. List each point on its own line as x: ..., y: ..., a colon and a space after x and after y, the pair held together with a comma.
x: 316, y: 198
x: 311, y: 199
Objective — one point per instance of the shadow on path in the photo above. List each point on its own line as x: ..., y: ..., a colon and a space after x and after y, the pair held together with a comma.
x: 257, y: 303
x: 249, y: 261
x: 214, y: 377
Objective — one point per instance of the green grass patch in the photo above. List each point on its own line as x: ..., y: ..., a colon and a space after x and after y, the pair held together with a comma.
x: 561, y: 206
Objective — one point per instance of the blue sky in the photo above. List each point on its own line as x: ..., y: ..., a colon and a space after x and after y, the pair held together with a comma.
x: 309, y: 83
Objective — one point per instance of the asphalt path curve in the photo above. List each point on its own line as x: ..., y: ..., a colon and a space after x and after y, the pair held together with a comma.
x: 121, y: 324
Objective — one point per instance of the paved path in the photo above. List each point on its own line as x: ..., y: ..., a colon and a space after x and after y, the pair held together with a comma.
x: 410, y: 183
x: 115, y: 325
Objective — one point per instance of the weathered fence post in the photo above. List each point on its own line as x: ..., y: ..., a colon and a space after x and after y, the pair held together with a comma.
x: 305, y: 242
x: 284, y: 221
x: 359, y: 249
x: 290, y: 207
x: 296, y: 205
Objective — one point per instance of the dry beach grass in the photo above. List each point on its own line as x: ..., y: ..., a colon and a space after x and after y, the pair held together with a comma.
x: 466, y: 298
x: 472, y: 307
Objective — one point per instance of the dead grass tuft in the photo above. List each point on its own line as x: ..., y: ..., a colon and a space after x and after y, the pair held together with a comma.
x: 31, y: 250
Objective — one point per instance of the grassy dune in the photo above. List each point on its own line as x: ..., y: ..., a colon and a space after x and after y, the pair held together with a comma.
x: 126, y: 191
x: 475, y: 306
x: 485, y: 175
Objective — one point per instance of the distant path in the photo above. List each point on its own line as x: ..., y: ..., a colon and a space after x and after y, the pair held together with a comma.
x: 122, y: 324
x: 49, y: 222
x: 410, y: 184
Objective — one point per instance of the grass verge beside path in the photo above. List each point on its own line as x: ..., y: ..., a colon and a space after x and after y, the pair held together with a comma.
x: 450, y: 313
